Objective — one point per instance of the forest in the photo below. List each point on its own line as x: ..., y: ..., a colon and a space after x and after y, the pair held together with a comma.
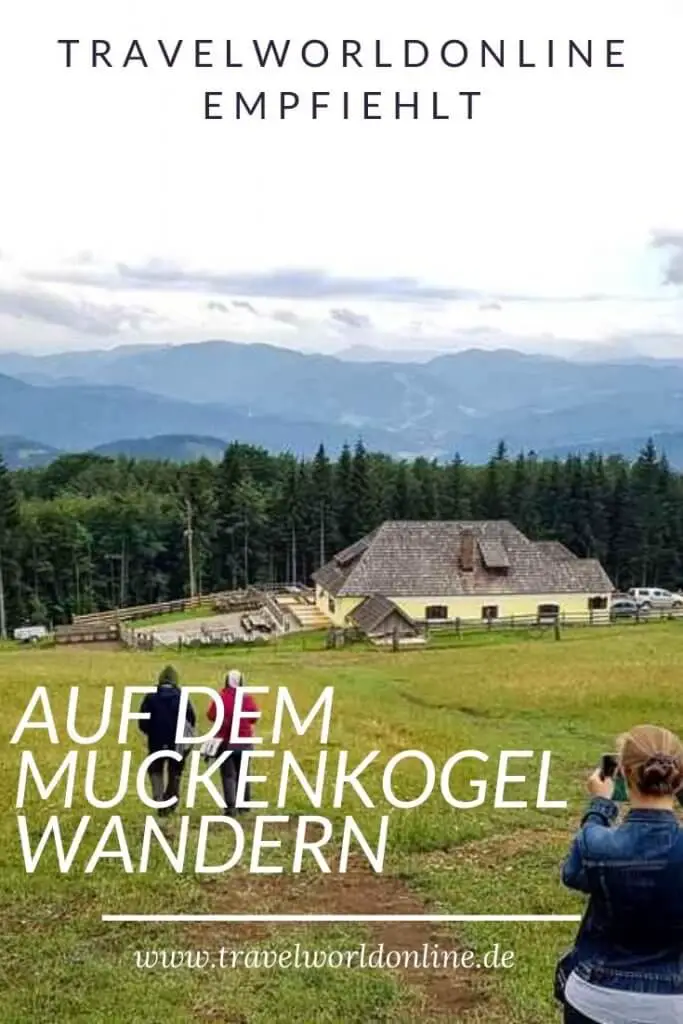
x: 88, y: 533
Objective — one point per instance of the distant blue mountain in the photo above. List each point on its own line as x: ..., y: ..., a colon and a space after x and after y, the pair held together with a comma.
x: 282, y: 399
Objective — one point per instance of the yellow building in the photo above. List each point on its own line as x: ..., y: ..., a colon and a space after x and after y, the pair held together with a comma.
x: 436, y: 571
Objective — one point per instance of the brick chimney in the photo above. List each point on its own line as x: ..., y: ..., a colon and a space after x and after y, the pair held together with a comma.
x: 467, y: 551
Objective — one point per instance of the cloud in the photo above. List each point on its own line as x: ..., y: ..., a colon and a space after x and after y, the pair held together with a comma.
x: 673, y: 241
x: 217, y: 307
x: 84, y: 258
x: 348, y: 318
x: 83, y: 317
x: 289, y: 283
x: 285, y: 316
x: 286, y: 283
x: 490, y: 307
x: 246, y: 305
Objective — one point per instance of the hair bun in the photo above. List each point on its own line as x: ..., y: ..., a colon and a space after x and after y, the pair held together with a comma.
x: 661, y: 773
x: 652, y: 760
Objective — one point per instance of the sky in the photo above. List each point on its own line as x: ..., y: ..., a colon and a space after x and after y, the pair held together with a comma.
x: 551, y: 221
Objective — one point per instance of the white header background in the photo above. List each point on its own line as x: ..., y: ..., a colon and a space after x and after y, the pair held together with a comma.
x: 541, y: 210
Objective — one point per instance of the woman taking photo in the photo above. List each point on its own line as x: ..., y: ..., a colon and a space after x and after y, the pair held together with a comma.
x: 626, y: 966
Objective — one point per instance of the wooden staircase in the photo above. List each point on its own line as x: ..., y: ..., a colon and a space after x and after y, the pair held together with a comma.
x: 307, y: 615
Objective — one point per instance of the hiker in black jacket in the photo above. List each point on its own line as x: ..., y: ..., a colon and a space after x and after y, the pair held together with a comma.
x: 160, y: 729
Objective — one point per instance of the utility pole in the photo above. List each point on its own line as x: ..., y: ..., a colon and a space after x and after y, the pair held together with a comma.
x: 91, y: 599
x: 322, y: 534
x: 189, y: 533
x: 3, y: 614
x: 123, y: 582
x: 246, y: 553
x: 293, y: 554
x: 77, y: 575
x: 112, y: 578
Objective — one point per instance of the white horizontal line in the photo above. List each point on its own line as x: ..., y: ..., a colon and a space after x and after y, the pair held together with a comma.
x: 332, y: 918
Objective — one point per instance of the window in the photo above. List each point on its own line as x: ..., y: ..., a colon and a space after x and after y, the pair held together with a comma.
x: 548, y: 612
x: 596, y: 604
x: 489, y: 612
x: 436, y: 611
x: 331, y: 606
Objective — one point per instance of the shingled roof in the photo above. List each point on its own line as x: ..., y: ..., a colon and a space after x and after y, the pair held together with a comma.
x: 556, y: 550
x: 422, y: 559
x: 375, y: 610
x: 332, y: 575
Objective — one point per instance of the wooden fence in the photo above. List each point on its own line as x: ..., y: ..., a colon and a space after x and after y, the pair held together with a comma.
x: 223, y: 600
x: 87, y: 633
x: 108, y: 626
x: 598, y: 617
x: 274, y: 609
x: 148, y: 611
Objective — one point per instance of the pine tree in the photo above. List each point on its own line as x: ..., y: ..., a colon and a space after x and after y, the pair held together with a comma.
x: 648, y: 519
x: 597, y: 488
x: 619, y: 514
x: 494, y: 499
x: 289, y: 535
x: 668, y: 563
x: 323, y: 499
x: 230, y: 474
x: 9, y: 519
x: 523, y: 508
x: 401, y: 498
x: 344, y: 491
x: 362, y: 508
x: 457, y: 490
x: 427, y: 496
x: 578, y: 536
x: 552, y: 503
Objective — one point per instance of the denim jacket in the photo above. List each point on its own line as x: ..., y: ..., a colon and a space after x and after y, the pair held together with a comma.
x: 631, y: 936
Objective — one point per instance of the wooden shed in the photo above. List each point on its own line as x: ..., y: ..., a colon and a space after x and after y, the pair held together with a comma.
x: 377, y: 616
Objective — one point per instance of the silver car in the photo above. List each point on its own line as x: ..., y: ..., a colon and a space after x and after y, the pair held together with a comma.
x: 623, y: 608
x: 655, y: 597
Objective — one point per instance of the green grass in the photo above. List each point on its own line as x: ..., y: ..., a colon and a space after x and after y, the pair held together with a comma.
x: 203, y: 612
x: 60, y: 962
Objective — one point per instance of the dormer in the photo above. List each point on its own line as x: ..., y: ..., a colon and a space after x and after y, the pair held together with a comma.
x: 494, y: 557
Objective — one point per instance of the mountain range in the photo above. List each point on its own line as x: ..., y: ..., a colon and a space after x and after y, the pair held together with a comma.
x: 188, y: 399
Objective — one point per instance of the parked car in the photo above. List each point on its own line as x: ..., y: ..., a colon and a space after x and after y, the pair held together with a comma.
x: 624, y: 608
x: 30, y: 634
x: 655, y: 597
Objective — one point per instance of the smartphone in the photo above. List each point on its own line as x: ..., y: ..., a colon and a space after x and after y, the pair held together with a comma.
x: 609, y: 769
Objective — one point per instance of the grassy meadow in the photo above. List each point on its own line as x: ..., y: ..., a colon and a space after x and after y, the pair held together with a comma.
x: 60, y: 963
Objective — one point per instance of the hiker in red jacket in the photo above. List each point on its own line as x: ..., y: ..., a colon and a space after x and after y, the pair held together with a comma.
x: 231, y: 767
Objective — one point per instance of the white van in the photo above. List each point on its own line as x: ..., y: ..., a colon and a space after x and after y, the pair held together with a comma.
x: 30, y: 634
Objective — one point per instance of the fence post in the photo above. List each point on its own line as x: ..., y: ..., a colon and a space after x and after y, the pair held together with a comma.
x: 558, y: 635
x: 457, y: 627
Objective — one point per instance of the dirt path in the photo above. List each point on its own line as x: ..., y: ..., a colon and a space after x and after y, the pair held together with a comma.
x: 441, y: 993
x: 494, y: 851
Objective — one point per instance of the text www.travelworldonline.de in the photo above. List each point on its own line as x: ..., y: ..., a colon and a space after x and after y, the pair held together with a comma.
x: 429, y: 956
